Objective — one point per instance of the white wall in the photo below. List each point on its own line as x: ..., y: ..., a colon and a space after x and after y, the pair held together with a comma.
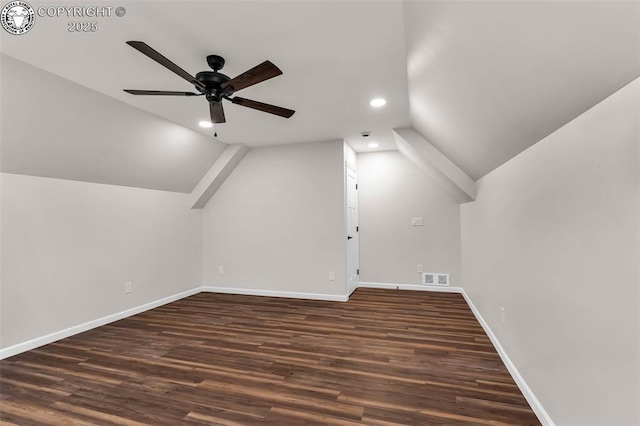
x: 489, y: 78
x: 54, y: 127
x: 392, y: 190
x: 277, y: 223
x: 554, y: 239
x: 68, y: 248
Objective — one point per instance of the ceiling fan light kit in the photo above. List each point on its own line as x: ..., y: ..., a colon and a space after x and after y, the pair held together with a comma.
x: 215, y: 86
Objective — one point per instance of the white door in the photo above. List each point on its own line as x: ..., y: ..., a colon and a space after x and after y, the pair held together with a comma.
x: 352, y: 229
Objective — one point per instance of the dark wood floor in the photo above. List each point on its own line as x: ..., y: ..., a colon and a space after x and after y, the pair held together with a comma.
x: 385, y: 357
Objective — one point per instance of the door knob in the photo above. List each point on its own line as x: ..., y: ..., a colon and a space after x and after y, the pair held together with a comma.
x: 349, y: 237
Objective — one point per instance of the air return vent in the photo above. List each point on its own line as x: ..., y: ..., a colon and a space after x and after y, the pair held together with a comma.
x: 431, y: 278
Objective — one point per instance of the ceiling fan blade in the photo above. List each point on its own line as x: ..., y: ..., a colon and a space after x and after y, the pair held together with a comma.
x: 217, y: 112
x: 260, y: 106
x: 145, y: 49
x: 255, y: 75
x: 160, y: 92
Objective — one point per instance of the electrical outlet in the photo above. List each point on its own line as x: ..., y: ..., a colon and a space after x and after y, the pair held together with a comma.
x: 420, y: 269
x: 332, y: 276
x: 220, y: 270
x: 416, y: 221
x: 128, y: 287
x: 503, y: 315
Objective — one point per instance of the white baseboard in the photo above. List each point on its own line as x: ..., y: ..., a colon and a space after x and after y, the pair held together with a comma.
x: 418, y: 287
x: 272, y: 293
x: 535, y: 404
x: 58, y: 335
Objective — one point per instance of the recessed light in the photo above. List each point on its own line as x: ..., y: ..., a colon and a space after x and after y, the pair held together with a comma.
x: 205, y: 124
x: 373, y: 145
x: 377, y: 103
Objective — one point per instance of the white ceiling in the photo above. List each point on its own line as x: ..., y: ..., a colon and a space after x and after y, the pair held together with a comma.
x: 481, y: 80
x: 487, y: 79
x: 335, y: 57
x: 52, y: 127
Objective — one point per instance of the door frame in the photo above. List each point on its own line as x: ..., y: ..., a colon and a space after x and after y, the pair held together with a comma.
x: 351, y: 287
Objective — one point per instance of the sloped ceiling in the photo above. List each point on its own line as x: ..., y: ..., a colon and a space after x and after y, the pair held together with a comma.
x: 480, y: 80
x: 52, y: 127
x: 335, y: 57
x: 487, y: 79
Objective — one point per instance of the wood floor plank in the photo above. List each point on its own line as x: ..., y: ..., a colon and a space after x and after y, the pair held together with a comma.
x: 385, y: 357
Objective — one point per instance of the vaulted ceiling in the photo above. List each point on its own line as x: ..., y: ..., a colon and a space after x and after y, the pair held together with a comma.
x: 487, y: 79
x: 480, y: 80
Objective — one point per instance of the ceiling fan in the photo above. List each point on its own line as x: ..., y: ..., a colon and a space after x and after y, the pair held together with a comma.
x: 215, y: 86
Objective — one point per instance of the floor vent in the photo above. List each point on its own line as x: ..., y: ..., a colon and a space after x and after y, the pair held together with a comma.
x: 430, y: 278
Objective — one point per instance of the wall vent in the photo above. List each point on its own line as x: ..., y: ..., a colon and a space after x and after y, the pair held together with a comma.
x: 431, y: 278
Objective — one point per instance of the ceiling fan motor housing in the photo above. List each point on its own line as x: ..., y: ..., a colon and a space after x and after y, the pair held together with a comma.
x: 212, y: 80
